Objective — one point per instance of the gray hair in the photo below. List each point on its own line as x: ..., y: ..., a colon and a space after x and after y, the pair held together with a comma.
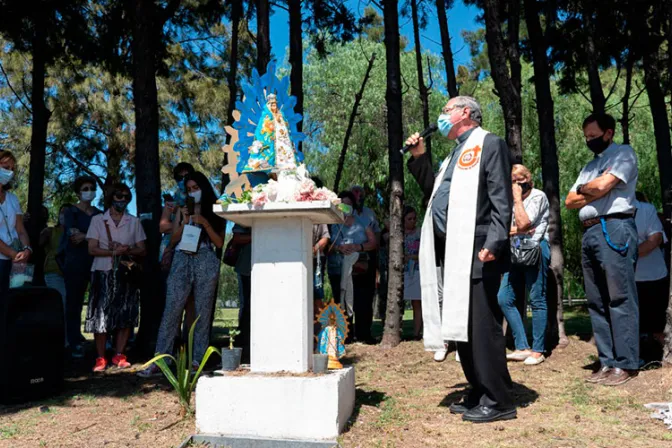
x: 472, y: 104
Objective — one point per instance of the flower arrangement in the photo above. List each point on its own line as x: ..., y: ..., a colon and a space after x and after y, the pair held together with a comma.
x: 291, y: 186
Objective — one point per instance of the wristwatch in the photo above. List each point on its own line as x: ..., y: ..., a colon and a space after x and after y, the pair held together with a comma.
x: 28, y: 248
x: 578, y: 188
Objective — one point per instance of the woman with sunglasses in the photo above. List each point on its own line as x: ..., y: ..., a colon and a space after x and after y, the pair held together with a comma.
x: 77, y: 261
x: 195, y: 269
x: 114, y: 238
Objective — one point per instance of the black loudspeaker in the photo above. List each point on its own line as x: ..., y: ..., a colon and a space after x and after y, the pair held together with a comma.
x: 32, y: 339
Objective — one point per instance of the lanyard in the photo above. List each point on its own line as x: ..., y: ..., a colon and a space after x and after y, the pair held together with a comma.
x: 4, y: 218
x: 620, y: 249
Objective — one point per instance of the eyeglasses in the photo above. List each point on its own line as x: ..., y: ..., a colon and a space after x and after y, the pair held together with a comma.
x: 447, y: 110
x: 122, y: 196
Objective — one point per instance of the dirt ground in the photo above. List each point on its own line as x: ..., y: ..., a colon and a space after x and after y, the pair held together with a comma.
x: 402, y: 401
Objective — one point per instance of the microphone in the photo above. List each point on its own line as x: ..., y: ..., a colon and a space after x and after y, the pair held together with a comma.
x: 426, y: 133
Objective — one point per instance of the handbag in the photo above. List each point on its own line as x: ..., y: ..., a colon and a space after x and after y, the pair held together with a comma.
x: 525, y: 252
x: 130, y: 270
x: 231, y: 254
x: 361, y: 266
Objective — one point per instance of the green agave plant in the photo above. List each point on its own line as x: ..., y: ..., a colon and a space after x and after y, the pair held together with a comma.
x: 183, y: 380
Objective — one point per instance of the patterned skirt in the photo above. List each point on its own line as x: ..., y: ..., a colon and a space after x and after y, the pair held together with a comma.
x: 113, y: 304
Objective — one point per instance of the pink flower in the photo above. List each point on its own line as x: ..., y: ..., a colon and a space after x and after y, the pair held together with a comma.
x: 307, y: 187
x: 259, y: 198
x: 323, y: 194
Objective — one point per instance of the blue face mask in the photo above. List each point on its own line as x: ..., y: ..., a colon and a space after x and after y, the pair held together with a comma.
x: 6, y: 176
x: 444, y: 124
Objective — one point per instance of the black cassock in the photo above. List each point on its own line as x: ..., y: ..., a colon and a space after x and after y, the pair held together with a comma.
x: 483, y: 358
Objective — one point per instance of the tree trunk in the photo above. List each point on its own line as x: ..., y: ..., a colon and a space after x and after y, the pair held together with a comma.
x: 594, y: 82
x: 508, y: 86
x: 38, y: 145
x: 114, y: 158
x: 351, y: 123
x: 38, y: 139
x: 445, y: 48
x: 263, y: 36
x: 296, y: 57
x: 661, y: 123
x: 232, y: 76
x: 550, y: 170
x: 667, y: 347
x: 146, y: 34
x: 625, y: 119
x: 422, y: 88
x: 392, y: 331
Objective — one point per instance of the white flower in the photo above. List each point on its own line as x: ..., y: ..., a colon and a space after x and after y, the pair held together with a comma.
x: 256, y: 147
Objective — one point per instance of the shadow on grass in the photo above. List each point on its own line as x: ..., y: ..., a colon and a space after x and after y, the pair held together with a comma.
x: 365, y: 398
x: 523, y: 396
x: 88, y: 387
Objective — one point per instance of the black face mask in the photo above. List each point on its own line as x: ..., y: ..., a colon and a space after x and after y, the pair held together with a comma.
x: 525, y: 186
x: 597, y: 145
x: 120, y: 206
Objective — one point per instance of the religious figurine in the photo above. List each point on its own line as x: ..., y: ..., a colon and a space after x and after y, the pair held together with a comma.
x: 272, y: 150
x: 332, y: 337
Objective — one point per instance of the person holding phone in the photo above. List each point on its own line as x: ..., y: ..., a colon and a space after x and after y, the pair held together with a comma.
x: 14, y: 242
x: 197, y: 231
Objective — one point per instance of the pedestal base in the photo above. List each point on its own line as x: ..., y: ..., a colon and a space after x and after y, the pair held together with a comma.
x: 283, y: 407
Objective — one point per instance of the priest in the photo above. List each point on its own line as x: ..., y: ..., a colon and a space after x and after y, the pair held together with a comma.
x: 464, y: 249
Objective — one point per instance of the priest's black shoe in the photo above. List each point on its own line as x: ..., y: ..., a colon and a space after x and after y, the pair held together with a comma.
x: 484, y: 414
x: 461, y: 407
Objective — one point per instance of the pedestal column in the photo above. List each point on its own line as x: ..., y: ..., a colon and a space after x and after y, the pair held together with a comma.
x: 282, y: 295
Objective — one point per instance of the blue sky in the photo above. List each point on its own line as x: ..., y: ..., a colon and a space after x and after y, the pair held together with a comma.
x: 460, y: 18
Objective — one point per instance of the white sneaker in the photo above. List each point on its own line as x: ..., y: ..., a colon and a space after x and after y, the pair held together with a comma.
x: 440, y: 355
x: 518, y: 355
x: 532, y: 361
x: 457, y: 356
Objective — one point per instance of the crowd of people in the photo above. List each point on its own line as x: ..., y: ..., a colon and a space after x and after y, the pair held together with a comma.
x: 626, y: 275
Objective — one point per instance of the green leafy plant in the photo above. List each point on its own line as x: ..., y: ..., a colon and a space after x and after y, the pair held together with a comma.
x: 232, y: 336
x: 183, y: 380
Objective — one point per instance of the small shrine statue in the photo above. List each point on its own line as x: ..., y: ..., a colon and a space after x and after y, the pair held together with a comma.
x: 272, y: 150
x: 332, y: 337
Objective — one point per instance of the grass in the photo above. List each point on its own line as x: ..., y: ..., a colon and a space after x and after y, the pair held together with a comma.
x: 9, y: 431
x: 402, y: 400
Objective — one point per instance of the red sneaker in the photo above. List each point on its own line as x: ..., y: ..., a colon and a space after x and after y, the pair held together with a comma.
x: 101, y: 365
x: 120, y: 361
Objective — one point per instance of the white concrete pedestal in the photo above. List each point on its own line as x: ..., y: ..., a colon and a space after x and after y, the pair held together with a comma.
x: 279, y: 406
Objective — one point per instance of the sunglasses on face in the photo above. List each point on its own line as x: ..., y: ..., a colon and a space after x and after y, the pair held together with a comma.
x: 122, y: 196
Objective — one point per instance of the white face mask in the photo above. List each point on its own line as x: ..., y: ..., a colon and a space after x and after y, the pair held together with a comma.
x: 88, y: 196
x: 6, y: 176
x: 197, y: 196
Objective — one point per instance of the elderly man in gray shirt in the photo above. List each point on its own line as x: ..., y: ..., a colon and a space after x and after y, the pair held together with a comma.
x: 605, y: 195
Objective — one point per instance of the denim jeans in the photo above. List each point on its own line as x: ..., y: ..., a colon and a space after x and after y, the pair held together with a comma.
x: 5, y: 270
x: 611, y: 291
x: 514, y: 285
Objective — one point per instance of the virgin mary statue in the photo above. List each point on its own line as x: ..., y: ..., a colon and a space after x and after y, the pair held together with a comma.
x: 272, y: 150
